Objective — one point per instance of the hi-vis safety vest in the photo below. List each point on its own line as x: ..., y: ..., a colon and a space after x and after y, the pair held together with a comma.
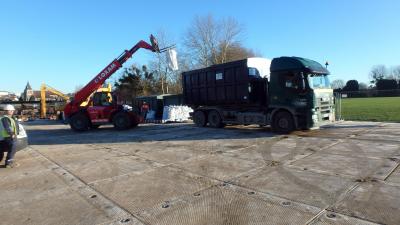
x: 3, y: 132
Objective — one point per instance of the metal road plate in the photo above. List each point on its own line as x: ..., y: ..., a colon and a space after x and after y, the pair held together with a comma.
x: 92, y: 165
x: 29, y: 186
x: 302, y: 186
x: 218, y: 166
x: 339, y: 130
x: 379, y: 137
x: 172, y: 155
x: 281, y: 149
x: 395, y: 177
x: 363, y: 148
x: 386, y: 130
x: 62, y: 207
x: 375, y: 201
x: 100, y: 169
x: 26, y: 167
x: 65, y: 149
x: 139, y: 192
x: 332, y: 218
x: 82, y: 156
x: 355, y: 167
x: 223, y: 205
x: 278, y: 180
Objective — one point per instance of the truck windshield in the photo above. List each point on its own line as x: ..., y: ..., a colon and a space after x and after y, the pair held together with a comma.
x: 318, y: 81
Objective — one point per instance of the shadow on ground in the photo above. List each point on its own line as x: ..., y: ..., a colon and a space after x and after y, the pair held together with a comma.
x: 40, y: 131
x: 62, y: 134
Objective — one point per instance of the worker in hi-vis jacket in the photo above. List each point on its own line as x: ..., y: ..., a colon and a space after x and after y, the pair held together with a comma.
x: 8, y: 135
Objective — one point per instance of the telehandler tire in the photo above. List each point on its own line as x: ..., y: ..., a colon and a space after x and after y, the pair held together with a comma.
x: 79, y: 122
x: 122, y: 121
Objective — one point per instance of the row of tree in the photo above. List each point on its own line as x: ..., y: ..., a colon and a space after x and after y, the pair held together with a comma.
x: 382, y: 79
x: 206, y: 42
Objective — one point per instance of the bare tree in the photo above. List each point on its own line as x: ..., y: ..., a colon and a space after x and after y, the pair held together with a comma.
x: 337, y: 84
x: 201, y: 40
x: 169, y: 80
x: 230, y: 34
x: 209, y: 41
x: 396, y: 72
x: 237, y: 52
x: 378, y: 72
x: 160, y: 63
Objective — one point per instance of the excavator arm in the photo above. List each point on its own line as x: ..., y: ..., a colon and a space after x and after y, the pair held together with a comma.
x: 110, y: 69
x: 43, y: 89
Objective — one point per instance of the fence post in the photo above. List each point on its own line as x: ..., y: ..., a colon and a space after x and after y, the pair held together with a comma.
x: 338, y: 106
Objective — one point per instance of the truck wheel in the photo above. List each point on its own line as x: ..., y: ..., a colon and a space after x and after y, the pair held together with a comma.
x: 79, y: 122
x: 215, y: 119
x: 199, y: 118
x: 283, y: 123
x: 122, y: 121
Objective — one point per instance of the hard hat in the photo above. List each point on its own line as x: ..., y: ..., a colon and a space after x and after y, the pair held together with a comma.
x: 8, y: 107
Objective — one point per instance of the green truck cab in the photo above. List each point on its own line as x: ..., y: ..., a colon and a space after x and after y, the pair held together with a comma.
x: 301, y: 86
x: 287, y: 93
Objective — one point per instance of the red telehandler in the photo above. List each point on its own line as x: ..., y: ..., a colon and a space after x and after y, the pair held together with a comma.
x: 100, y: 109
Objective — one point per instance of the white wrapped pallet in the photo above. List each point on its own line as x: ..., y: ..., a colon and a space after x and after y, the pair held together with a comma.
x: 175, y: 113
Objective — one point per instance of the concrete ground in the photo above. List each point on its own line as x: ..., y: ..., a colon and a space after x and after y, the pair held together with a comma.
x: 169, y: 174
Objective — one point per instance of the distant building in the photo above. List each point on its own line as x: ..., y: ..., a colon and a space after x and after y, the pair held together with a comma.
x: 28, y: 93
x: 8, y: 96
x: 3, y: 93
x: 33, y: 95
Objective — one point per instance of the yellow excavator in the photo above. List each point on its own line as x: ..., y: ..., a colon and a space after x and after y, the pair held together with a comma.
x: 43, y: 89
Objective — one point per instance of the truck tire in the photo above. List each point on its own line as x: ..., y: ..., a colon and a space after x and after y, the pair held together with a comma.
x: 122, y: 121
x: 79, y: 122
x: 199, y: 118
x: 214, y: 119
x: 283, y: 122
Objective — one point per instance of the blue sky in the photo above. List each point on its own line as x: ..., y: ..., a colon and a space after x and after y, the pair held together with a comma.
x: 66, y: 43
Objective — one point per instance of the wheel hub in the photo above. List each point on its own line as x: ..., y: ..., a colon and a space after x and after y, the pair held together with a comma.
x: 283, y: 123
x: 79, y: 123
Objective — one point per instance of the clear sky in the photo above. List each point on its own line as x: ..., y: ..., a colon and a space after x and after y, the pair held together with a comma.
x: 66, y: 43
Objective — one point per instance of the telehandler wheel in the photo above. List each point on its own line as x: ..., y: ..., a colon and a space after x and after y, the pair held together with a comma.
x: 122, y: 121
x: 79, y: 122
x: 283, y: 123
x: 199, y: 118
x: 215, y: 119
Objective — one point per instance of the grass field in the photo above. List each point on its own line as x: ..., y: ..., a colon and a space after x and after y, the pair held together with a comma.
x: 371, y: 109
